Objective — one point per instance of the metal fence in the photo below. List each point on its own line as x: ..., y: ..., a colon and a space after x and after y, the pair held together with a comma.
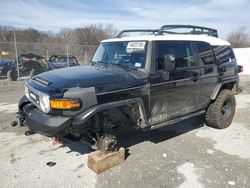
x: 12, y: 50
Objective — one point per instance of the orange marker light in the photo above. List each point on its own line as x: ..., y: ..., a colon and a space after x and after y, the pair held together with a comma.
x: 64, y: 104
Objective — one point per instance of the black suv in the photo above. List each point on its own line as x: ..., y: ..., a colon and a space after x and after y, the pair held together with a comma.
x: 145, y: 81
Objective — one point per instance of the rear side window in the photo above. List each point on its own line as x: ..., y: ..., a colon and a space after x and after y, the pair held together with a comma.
x: 205, y: 53
x: 182, y: 51
x: 223, y: 54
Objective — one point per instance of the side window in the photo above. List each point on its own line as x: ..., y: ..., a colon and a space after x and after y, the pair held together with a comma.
x: 205, y: 54
x: 181, y: 50
x: 223, y: 54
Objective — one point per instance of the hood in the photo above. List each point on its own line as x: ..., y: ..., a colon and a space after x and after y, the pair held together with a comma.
x: 103, y: 79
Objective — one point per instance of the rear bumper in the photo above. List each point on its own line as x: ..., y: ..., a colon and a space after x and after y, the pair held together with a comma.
x: 39, y: 122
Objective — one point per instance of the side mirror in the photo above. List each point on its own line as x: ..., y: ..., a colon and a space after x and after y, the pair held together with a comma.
x: 169, y: 62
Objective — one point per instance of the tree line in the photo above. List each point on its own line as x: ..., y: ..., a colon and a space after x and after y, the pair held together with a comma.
x: 81, y: 41
x: 89, y: 35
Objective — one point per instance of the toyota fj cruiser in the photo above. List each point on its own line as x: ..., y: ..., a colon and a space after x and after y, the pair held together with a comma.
x: 146, y: 81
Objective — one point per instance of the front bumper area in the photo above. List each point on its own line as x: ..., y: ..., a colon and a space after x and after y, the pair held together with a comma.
x: 39, y: 122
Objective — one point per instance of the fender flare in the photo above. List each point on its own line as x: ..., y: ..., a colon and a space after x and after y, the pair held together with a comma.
x: 220, y: 85
x: 83, y: 117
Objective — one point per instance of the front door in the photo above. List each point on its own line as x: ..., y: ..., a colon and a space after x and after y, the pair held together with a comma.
x: 178, y: 94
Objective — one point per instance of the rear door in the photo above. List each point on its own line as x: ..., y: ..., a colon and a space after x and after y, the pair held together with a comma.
x: 209, y: 75
x: 178, y: 95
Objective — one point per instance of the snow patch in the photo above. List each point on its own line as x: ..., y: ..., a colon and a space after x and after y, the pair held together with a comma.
x: 8, y: 108
x: 210, y: 151
x: 231, y: 182
x: 234, y: 140
x: 188, y: 171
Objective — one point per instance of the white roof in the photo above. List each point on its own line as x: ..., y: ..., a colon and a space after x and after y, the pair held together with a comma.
x: 173, y: 37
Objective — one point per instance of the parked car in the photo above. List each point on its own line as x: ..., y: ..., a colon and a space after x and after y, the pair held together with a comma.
x: 62, y: 61
x: 32, y: 64
x: 29, y: 65
x: 146, y: 82
x: 5, y: 66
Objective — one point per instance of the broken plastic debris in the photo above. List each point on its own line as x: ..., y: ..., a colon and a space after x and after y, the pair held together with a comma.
x: 55, y: 141
x: 51, y: 163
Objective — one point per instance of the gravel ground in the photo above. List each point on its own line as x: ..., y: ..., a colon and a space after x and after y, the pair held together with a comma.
x: 186, y: 154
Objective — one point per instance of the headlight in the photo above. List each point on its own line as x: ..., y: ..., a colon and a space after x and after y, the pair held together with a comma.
x: 44, y: 103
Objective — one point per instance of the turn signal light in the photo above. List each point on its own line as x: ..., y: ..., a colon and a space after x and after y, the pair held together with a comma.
x: 65, y: 104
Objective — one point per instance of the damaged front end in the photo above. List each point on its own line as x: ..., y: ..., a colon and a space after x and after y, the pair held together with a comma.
x: 90, y: 123
x: 38, y: 122
x: 61, y: 127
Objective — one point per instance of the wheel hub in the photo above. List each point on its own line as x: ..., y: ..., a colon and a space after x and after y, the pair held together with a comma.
x: 226, y: 109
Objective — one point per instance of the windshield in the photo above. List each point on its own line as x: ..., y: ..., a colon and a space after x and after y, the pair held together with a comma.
x: 131, y: 54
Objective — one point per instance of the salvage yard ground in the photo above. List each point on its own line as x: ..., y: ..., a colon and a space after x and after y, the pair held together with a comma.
x: 186, y: 154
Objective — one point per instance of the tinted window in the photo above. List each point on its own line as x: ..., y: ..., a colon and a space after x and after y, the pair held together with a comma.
x: 182, y: 52
x: 223, y: 54
x: 205, y: 53
x: 123, y: 53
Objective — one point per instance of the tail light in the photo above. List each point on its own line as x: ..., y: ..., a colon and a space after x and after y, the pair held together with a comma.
x: 239, y: 68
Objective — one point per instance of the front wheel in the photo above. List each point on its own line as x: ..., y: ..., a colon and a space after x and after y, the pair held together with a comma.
x: 12, y: 75
x: 220, y: 113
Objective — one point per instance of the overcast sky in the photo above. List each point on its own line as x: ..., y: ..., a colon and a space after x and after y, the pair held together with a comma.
x: 52, y: 15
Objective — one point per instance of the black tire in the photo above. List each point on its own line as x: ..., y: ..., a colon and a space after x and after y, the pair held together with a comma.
x: 220, y: 113
x: 12, y: 75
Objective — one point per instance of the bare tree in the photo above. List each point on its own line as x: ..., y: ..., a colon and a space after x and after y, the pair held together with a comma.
x: 80, y: 42
x: 239, y: 38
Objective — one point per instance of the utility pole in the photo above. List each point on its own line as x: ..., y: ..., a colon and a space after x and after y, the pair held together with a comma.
x: 17, y: 62
x: 67, y: 47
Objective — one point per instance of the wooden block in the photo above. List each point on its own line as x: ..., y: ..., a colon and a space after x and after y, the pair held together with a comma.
x: 100, y: 162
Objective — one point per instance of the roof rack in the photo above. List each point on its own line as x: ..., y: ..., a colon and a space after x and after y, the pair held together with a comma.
x: 195, y: 30
x: 153, y: 31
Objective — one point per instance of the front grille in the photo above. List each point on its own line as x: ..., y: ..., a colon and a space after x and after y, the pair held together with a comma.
x: 33, y: 95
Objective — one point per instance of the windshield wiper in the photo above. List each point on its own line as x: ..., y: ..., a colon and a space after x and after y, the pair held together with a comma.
x: 95, y: 62
x: 102, y: 63
x: 124, y: 66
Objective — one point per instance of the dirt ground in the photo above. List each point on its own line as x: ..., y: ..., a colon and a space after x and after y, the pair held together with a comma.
x: 186, y: 154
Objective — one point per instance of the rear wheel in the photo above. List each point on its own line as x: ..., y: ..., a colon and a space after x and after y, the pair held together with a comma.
x: 220, y: 113
x: 12, y: 75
